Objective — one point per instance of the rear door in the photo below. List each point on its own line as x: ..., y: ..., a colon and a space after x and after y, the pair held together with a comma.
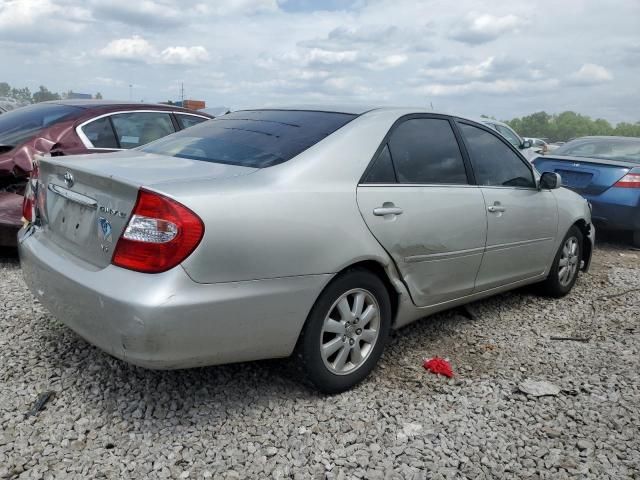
x: 418, y: 201
x: 522, y: 220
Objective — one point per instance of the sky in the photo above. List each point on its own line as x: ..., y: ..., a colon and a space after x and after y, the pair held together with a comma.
x: 472, y: 57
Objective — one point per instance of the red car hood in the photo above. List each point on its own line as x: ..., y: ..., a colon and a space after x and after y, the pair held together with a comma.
x: 18, y: 161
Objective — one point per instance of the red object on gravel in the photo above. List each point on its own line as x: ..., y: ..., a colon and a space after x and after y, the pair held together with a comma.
x: 438, y: 365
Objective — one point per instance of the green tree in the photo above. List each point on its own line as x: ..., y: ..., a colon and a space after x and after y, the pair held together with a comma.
x: 567, y: 125
x: 43, y: 95
x: 23, y: 95
x: 98, y: 96
x: 5, y: 89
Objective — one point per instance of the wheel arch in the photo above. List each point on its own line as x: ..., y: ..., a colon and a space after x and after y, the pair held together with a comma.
x: 587, y: 242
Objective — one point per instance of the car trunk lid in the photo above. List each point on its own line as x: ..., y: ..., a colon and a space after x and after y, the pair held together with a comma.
x: 85, y: 202
x: 588, y: 176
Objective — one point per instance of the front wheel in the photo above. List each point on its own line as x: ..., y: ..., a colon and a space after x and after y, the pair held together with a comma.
x: 566, y: 265
x: 346, y: 331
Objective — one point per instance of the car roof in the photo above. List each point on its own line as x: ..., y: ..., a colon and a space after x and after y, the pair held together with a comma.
x: 110, y: 103
x: 356, y: 109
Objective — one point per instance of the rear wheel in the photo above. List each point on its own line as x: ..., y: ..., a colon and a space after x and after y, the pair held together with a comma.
x: 346, y: 331
x: 566, y: 265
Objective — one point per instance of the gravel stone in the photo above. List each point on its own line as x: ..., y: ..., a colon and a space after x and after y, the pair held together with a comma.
x: 110, y: 420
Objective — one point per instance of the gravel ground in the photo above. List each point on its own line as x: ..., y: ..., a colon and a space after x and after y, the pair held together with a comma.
x: 111, y: 420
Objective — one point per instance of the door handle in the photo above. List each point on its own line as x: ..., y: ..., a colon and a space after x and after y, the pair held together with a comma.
x: 496, y: 209
x: 382, y: 211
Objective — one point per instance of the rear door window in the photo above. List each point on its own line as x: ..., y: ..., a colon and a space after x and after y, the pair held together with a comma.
x: 258, y: 138
x: 425, y: 150
x: 186, y: 121
x: 100, y: 133
x: 494, y: 163
x: 138, y: 128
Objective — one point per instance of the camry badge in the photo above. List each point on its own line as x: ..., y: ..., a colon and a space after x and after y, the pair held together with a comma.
x: 104, y: 230
x: 68, y: 179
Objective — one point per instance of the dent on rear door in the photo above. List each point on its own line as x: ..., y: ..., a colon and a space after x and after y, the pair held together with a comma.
x: 437, y: 242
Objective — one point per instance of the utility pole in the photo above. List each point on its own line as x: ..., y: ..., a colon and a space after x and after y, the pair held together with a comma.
x: 130, y: 91
x: 182, y: 93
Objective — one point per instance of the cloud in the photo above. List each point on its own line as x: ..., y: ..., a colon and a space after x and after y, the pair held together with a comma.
x: 138, y: 50
x: 184, y: 55
x: 135, y: 49
x: 477, y: 29
x: 239, y: 7
x: 148, y: 13
x: 590, y: 74
x: 389, y: 61
x: 496, y: 87
x: 37, y: 21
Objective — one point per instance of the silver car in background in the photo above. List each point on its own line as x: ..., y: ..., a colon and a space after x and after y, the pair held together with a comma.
x: 525, y: 145
x: 264, y: 233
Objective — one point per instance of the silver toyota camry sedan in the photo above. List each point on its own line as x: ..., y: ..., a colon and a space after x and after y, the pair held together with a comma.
x: 267, y: 233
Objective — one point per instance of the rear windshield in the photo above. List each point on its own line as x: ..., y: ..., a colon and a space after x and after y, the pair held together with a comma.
x: 259, y: 138
x: 623, y: 149
x: 18, y: 126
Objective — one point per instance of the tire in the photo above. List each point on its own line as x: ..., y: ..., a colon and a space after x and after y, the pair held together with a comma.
x: 559, y: 282
x: 351, y: 330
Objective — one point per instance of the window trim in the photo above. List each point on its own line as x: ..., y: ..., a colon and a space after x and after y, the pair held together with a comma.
x: 385, y: 141
x: 89, y: 145
x: 506, y: 142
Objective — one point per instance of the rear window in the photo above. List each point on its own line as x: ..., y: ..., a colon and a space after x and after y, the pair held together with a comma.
x: 258, y: 139
x: 623, y: 149
x: 18, y: 126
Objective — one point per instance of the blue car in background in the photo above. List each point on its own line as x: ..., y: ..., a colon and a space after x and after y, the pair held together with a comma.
x: 606, y: 171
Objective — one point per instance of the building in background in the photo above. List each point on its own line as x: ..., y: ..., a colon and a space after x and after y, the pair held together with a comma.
x: 191, y: 104
x: 79, y: 96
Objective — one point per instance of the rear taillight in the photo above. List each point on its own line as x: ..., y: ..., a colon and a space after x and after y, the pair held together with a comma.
x: 630, y: 180
x: 160, y: 234
x: 30, y: 192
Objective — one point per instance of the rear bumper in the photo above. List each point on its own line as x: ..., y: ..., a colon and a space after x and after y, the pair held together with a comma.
x: 10, y: 218
x: 615, y: 216
x: 166, y: 320
x: 617, y: 208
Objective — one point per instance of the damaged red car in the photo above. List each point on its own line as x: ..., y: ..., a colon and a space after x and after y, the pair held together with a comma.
x: 70, y: 127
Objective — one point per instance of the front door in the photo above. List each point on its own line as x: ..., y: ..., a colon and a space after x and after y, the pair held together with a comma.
x: 522, y: 220
x: 417, y: 201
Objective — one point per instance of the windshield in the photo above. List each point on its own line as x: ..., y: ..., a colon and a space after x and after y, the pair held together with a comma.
x: 623, y: 149
x: 18, y: 126
x: 257, y: 139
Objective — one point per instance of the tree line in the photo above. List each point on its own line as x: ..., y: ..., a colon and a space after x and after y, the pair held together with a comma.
x: 565, y: 126
x: 24, y: 95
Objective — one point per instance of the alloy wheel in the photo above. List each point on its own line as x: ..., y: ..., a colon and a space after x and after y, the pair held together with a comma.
x: 350, y: 331
x: 569, y: 261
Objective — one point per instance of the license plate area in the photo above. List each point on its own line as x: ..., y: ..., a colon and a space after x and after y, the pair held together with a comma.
x: 71, y: 221
x: 575, y: 179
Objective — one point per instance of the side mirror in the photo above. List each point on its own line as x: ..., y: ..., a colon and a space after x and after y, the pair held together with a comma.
x: 550, y: 181
x: 526, y: 144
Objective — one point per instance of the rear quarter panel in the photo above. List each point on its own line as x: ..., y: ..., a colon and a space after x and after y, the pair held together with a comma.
x: 297, y: 218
